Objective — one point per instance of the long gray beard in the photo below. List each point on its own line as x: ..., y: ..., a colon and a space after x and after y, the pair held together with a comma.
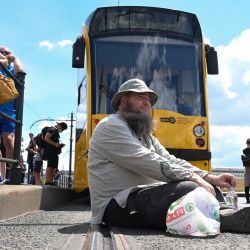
x: 140, y: 123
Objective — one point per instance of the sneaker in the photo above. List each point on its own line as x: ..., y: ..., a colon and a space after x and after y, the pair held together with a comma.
x: 1, y: 181
x: 236, y: 221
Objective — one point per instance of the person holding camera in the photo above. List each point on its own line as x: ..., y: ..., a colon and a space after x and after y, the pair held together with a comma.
x: 53, y: 149
x: 7, y: 128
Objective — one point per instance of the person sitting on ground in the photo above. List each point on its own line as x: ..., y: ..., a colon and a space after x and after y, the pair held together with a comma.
x: 133, y: 179
x: 52, y: 150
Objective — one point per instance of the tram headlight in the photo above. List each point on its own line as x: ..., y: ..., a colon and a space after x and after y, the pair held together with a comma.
x: 199, y: 131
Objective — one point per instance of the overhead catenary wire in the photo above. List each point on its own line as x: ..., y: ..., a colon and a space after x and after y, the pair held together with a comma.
x: 32, y: 110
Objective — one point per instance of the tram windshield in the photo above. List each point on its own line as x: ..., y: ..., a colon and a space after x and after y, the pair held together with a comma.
x: 170, y: 67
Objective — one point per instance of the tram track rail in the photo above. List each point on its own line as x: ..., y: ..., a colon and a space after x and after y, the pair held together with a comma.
x: 101, y: 237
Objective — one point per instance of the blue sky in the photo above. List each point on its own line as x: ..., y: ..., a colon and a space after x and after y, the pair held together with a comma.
x: 41, y: 34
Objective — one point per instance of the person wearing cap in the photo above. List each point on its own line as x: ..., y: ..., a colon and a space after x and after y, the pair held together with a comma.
x: 132, y: 178
x: 53, y: 149
x: 246, y: 163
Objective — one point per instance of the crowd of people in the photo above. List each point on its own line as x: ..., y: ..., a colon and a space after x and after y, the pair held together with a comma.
x: 48, y: 152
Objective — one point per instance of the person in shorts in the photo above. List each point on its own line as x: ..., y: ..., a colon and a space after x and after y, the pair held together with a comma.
x: 38, y: 166
x: 7, y: 128
x: 53, y: 149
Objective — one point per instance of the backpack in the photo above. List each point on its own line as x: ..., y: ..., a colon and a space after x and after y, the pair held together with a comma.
x: 39, y: 139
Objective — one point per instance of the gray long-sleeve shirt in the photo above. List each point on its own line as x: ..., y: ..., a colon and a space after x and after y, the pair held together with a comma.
x: 120, y: 163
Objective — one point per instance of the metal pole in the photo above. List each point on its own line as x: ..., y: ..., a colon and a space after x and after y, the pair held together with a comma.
x: 70, y: 150
x: 2, y: 114
x: 15, y: 173
x: 15, y: 162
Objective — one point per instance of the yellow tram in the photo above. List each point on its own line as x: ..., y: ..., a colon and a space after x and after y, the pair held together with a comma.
x: 163, y: 47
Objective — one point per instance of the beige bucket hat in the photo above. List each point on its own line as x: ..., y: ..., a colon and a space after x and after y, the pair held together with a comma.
x: 133, y: 85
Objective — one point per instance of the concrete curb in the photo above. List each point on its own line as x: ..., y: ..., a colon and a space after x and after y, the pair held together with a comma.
x: 19, y: 199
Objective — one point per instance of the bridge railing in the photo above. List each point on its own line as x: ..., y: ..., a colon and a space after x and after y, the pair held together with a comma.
x: 64, y: 181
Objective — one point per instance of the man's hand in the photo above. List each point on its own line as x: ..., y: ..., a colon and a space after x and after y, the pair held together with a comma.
x: 223, y: 180
x: 202, y: 182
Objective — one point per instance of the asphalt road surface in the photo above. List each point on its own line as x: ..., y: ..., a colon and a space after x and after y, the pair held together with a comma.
x: 67, y: 226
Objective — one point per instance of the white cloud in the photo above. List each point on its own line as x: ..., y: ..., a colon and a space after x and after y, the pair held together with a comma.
x: 225, y: 75
x: 207, y: 41
x: 64, y: 42
x: 239, y: 47
x: 227, y: 143
x: 234, y: 61
x: 49, y: 45
x: 246, y: 78
x: 229, y: 95
x: 229, y: 102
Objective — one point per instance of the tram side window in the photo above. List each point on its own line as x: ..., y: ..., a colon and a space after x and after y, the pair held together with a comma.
x: 79, y: 94
x: 81, y: 113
